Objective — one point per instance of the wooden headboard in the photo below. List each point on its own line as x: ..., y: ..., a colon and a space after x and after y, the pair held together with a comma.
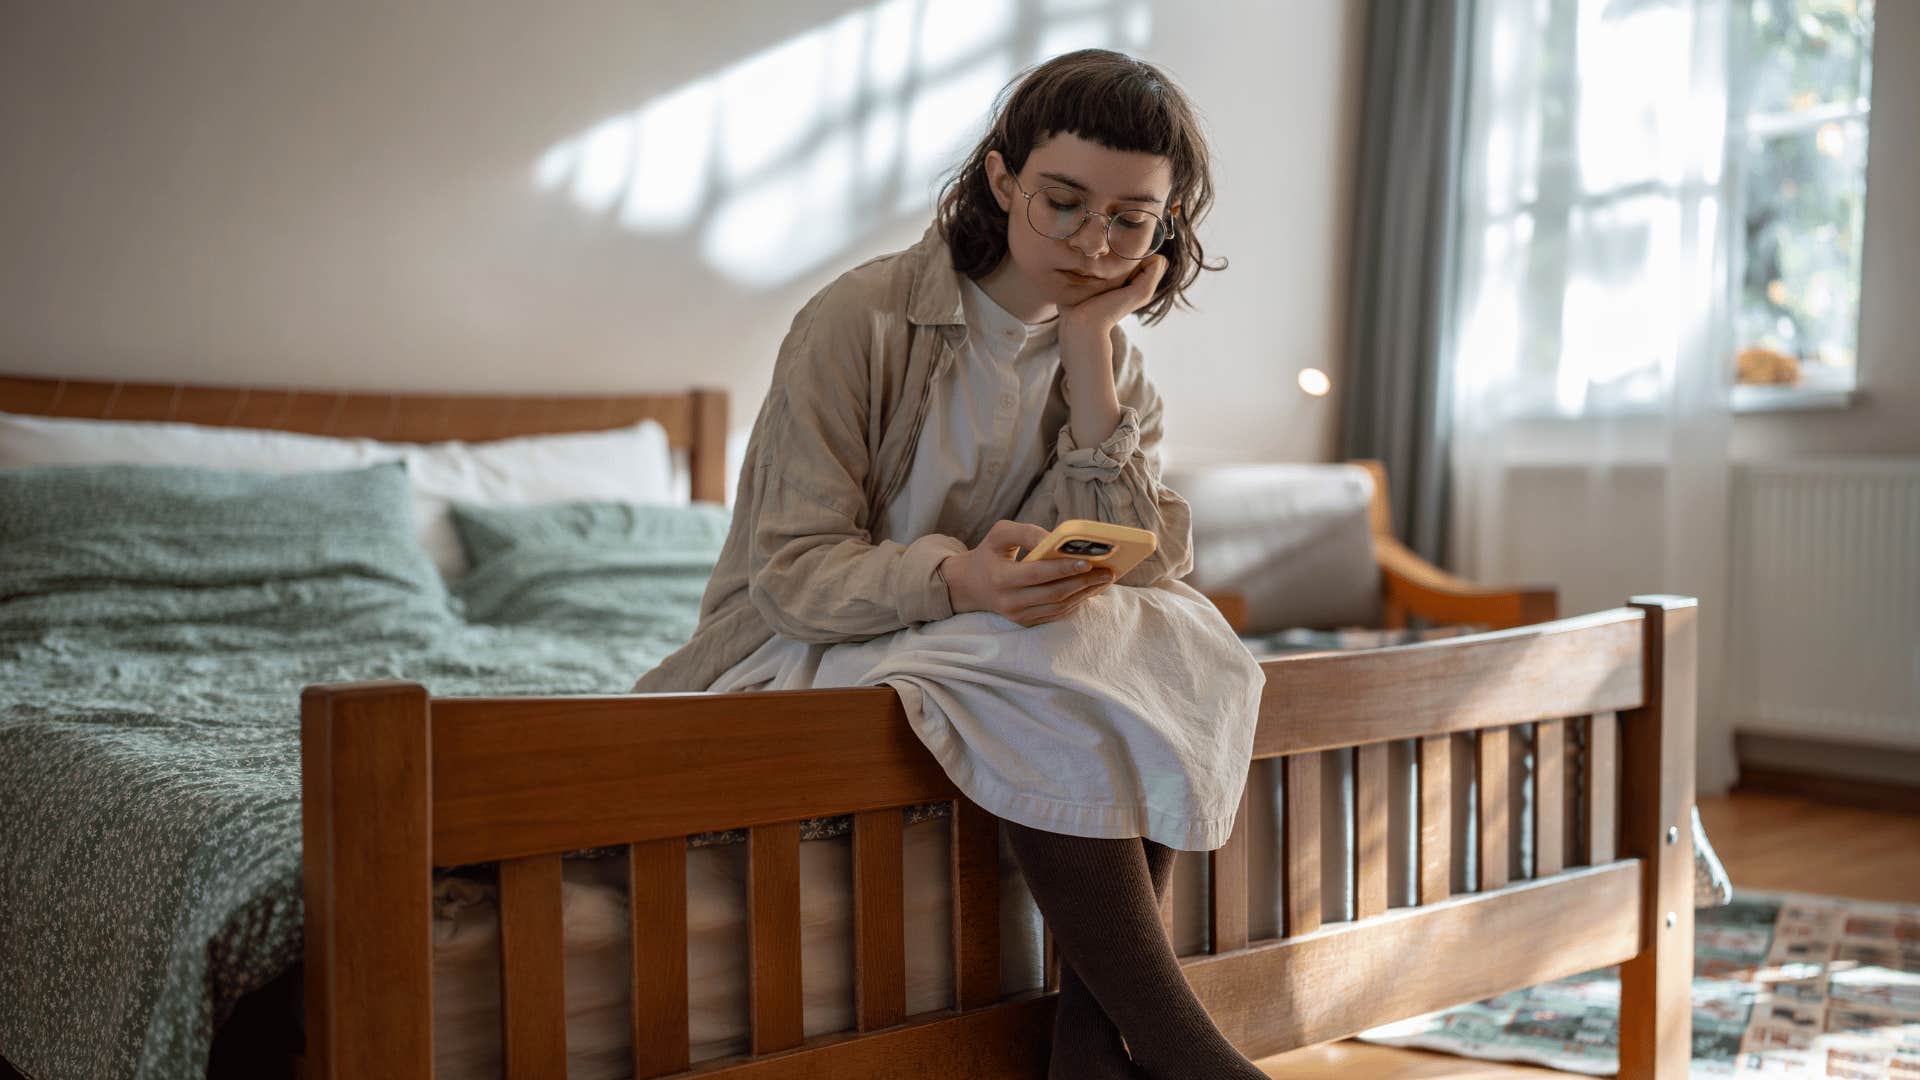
x: 696, y: 420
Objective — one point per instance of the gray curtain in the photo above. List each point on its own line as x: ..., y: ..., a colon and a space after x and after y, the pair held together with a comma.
x: 1400, y: 294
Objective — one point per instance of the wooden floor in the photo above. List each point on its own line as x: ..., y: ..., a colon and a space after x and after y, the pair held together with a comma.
x: 1766, y: 841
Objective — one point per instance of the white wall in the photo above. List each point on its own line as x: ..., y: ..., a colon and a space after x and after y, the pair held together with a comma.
x: 344, y: 194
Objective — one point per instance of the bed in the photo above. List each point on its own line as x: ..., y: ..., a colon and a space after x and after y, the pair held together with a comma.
x: 786, y: 885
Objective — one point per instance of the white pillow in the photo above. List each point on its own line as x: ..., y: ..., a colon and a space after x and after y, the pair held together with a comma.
x: 630, y: 464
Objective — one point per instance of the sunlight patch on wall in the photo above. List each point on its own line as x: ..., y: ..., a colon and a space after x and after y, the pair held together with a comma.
x: 942, y: 121
x: 783, y: 160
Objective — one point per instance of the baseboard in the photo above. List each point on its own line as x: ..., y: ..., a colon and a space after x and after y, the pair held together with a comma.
x: 1838, y: 790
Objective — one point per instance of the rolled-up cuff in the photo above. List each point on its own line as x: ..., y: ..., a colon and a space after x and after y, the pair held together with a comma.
x: 1101, y: 462
x: 922, y: 592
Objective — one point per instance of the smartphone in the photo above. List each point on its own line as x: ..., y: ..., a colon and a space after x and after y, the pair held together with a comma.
x: 1119, y: 548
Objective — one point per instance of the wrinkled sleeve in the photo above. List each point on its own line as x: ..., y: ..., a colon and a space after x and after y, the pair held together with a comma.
x: 1118, y: 481
x: 813, y: 572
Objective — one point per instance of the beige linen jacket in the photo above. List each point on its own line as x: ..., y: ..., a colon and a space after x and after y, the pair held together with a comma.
x: 834, y: 441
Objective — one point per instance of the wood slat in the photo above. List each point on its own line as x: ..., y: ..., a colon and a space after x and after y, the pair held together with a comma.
x: 879, y: 921
x: 1495, y: 804
x: 976, y: 905
x: 368, y: 880
x: 1050, y: 979
x: 1324, y: 701
x: 519, y: 776
x: 1274, y: 996
x: 1227, y: 887
x: 773, y: 936
x: 1436, y: 818
x: 1549, y: 797
x: 1519, y: 739
x: 1300, y: 855
x: 74, y: 397
x: 657, y: 913
x: 259, y: 409
x: 1573, y: 847
x: 1603, y: 787
x: 1370, y: 830
x: 533, y: 983
x: 32, y: 397
x: 707, y: 458
x: 1656, y: 768
x: 1010, y: 1040
x: 373, y: 414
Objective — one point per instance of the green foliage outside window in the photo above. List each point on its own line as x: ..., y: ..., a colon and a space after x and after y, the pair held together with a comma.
x: 1807, y: 71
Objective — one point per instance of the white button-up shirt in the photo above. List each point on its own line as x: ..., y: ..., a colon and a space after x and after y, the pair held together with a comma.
x: 982, y: 444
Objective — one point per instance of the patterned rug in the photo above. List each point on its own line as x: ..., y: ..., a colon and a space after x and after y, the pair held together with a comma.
x: 1784, y: 985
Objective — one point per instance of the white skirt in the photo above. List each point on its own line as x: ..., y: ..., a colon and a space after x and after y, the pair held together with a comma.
x: 1132, y: 716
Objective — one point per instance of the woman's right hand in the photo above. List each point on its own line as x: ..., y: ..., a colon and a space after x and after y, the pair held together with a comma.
x: 991, y: 578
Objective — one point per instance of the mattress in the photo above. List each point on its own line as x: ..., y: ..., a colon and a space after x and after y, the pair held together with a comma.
x: 466, y: 981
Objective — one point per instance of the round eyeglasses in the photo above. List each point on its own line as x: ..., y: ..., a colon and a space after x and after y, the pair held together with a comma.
x: 1058, y: 212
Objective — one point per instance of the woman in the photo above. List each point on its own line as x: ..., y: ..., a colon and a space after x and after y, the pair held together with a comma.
x: 933, y: 412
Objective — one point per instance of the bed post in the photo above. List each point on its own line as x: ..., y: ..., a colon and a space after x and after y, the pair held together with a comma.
x: 707, y: 459
x: 1656, y: 804
x: 365, y: 835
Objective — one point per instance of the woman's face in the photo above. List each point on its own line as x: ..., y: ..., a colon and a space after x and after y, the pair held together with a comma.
x: 1067, y: 271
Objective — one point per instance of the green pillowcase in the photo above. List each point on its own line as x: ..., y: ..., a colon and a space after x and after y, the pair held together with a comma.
x: 590, y: 567
x: 193, y: 557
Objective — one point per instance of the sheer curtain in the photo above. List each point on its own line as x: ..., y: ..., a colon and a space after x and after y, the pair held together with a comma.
x: 1593, y: 358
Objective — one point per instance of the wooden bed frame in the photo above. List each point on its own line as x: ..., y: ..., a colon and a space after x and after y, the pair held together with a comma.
x: 396, y: 783
x: 696, y: 420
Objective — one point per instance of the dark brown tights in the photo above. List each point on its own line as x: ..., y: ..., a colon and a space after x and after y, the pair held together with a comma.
x: 1118, y: 975
x: 1085, y: 1042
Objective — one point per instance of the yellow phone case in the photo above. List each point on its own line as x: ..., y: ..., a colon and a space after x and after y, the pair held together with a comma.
x: 1081, y: 539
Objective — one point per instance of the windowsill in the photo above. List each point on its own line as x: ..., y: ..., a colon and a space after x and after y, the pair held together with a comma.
x: 1745, y: 400
x: 1770, y: 399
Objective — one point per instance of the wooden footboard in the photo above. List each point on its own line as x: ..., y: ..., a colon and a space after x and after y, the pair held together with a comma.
x: 397, y: 783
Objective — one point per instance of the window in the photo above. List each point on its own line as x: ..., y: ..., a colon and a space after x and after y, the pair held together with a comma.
x: 1807, y: 67
x: 1655, y: 187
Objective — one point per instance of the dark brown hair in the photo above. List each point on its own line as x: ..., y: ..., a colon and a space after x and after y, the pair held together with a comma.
x: 1105, y: 97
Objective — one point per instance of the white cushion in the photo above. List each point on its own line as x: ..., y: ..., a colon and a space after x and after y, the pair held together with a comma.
x: 1295, y: 541
x: 630, y: 464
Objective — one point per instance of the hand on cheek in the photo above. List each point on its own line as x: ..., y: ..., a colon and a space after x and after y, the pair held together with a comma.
x: 1099, y: 312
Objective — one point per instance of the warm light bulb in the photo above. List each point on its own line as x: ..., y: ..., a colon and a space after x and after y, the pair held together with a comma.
x: 1315, y: 382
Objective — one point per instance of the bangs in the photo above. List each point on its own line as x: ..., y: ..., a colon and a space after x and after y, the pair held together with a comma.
x: 1130, y: 115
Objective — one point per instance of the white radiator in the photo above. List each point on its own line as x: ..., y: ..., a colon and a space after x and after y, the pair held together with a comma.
x: 1825, y: 601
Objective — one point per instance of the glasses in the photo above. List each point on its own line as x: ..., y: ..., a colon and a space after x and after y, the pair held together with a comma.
x: 1057, y: 213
